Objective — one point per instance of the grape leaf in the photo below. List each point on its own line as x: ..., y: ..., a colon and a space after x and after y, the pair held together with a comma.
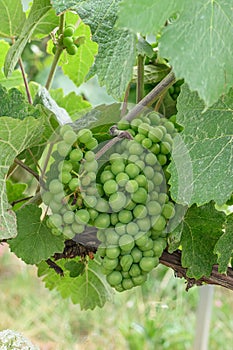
x: 61, y: 5
x: 117, y: 47
x: 34, y: 241
x: 37, y: 13
x: 200, y: 33
x: 16, y: 77
x: 73, y: 104
x: 224, y: 246
x: 201, y: 229
x: 202, y: 162
x: 15, y: 190
x: 12, y: 18
x: 146, y: 16
x: 28, y: 131
x: 46, y: 25
x: 89, y: 289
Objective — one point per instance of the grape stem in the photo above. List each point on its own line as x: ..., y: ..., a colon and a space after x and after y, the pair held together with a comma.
x: 56, y: 56
x: 27, y: 168
x: 140, y: 78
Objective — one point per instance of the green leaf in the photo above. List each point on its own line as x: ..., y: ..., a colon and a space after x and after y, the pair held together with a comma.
x: 152, y: 73
x: 61, y: 5
x: 16, y: 77
x: 37, y: 13
x: 199, y: 47
x: 72, y: 103
x: 12, y: 18
x: 15, y: 136
x: 146, y: 17
x: 89, y: 289
x: 14, y: 105
x: 117, y: 47
x: 15, y: 190
x: 34, y: 241
x: 144, y: 48
x: 76, y: 268
x: 224, y: 246
x: 202, y: 162
x: 46, y: 25
x: 201, y: 229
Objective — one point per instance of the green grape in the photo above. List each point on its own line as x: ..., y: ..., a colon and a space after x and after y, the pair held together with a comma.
x: 68, y: 41
x: 55, y: 186
x: 135, y: 270
x: 144, y: 129
x: 148, y: 263
x: 91, y: 166
x: 56, y: 232
x: 110, y: 264
x: 159, y: 246
x: 74, y: 183
x: 110, y: 187
x: 147, y: 143
x: 63, y: 148
x: 148, y: 172
x: 135, y: 123
x: 154, y: 118
x: 162, y: 159
x: 126, y: 261
x: 130, y: 205
x: 168, y: 210
x: 114, y: 278
x: 65, y: 166
x: 65, y: 177
x: 84, y: 136
x: 112, y: 252
x: 69, y: 30
x: 140, y: 211
x: 92, y: 144
x: 131, y: 186
x: 105, y: 176
x: 155, y: 134
x: 85, y: 181
x: 135, y: 148
x: 159, y: 223
x: 163, y: 198
x: 115, y: 157
x: 56, y: 220
x: 120, y: 228
x: 72, y: 49
x: 47, y: 197
x: 89, y: 156
x: 141, y: 239
x: 140, y: 196
x: 141, y: 180
x: 148, y: 246
x: 102, y: 205
x: 55, y: 207
x: 114, y: 219
x: 132, y: 170
x: 132, y: 228
x: 76, y: 155
x: 158, y: 179
x: 77, y: 228
x: 122, y: 179
x: 155, y: 149
x: 117, y: 201
x: 102, y: 221
x: 127, y: 283
x: 125, y: 216
x: 165, y: 148
x: 111, y: 237
x: 150, y: 159
x: 136, y: 254
x: 82, y: 216
x: 68, y: 232
x: 133, y: 158
x: 64, y: 128
x: 138, y: 280
x: 93, y: 213
x: 154, y: 208
x: 140, y: 164
x: 144, y: 224
x: 170, y: 127
x: 126, y: 242
x: 68, y: 217
x: 123, y: 124
x: 117, y: 167
x: 90, y: 201
x: 139, y: 138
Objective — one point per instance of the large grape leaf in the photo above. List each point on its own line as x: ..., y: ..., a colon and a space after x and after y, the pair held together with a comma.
x: 15, y: 136
x: 117, y: 49
x: 202, y: 164
x: 34, y: 242
x: 61, y: 5
x: 46, y: 25
x: 146, y: 16
x: 224, y: 246
x: 37, y: 13
x: 12, y: 18
x: 200, y: 231
x: 199, y: 46
x: 16, y: 78
x: 89, y: 289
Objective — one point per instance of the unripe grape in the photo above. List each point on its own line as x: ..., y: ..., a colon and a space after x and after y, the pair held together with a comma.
x: 69, y: 30
x: 72, y: 49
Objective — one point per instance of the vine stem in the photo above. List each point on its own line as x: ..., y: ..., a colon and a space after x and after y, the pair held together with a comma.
x: 152, y: 96
x: 140, y: 78
x: 25, y: 81
x: 27, y: 168
x: 56, y: 56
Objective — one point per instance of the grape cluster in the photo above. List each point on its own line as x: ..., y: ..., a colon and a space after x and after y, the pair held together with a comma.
x: 124, y: 195
x: 174, y: 90
x: 69, y: 42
